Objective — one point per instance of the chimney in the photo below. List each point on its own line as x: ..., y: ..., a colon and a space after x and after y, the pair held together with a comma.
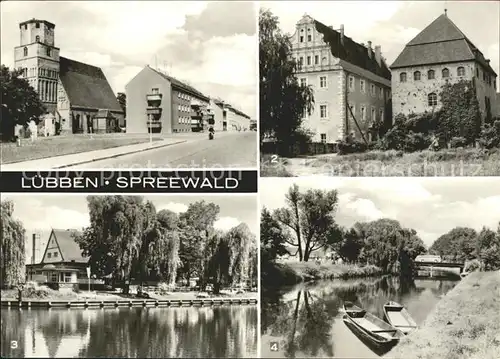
x: 378, y: 55
x: 370, y: 51
x: 342, y: 34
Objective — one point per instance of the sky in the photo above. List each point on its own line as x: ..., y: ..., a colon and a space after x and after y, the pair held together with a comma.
x: 431, y: 206
x: 392, y: 24
x: 63, y: 211
x: 212, y: 46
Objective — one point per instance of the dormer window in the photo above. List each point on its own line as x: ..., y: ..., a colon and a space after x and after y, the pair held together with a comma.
x: 25, y: 51
x: 37, y: 38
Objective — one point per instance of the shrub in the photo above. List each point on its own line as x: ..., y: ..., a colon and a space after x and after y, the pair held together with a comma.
x: 355, y: 146
x: 33, y: 290
x: 473, y: 265
x: 76, y: 288
x: 490, y: 135
x: 457, y: 142
x: 415, y: 141
x: 164, y: 288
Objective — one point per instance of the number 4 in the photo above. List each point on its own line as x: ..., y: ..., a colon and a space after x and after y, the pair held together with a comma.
x: 13, y: 344
x: 274, y: 346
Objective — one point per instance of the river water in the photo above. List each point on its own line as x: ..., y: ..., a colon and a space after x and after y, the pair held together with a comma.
x: 223, y: 332
x: 306, y: 320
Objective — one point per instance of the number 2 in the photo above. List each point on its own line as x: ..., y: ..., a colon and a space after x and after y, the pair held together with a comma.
x: 274, y: 159
x: 13, y: 344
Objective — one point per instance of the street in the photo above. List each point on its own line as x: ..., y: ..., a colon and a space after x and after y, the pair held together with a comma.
x: 227, y: 150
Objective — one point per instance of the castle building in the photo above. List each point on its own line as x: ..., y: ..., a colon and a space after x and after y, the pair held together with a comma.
x: 351, y: 82
x: 441, y: 53
x: 77, y: 94
x: 160, y: 103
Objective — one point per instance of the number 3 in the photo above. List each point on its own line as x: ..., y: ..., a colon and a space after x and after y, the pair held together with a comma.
x: 13, y: 344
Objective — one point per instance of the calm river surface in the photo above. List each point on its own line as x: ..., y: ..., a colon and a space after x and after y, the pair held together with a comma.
x: 130, y: 332
x: 305, y: 321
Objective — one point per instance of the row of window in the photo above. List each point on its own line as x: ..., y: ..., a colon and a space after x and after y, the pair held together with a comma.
x: 445, y: 73
x: 309, y: 35
x: 184, y: 96
x: 184, y: 120
x: 41, y: 72
x: 309, y: 61
x: 323, y: 112
x: 431, y: 74
x: 183, y: 108
x: 48, y: 50
x: 56, y: 255
x: 362, y: 87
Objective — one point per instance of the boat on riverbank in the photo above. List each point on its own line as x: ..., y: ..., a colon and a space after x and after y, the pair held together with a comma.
x: 371, y: 327
x: 397, y: 316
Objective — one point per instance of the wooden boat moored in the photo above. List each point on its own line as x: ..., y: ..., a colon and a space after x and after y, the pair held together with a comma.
x: 397, y: 315
x: 371, y: 327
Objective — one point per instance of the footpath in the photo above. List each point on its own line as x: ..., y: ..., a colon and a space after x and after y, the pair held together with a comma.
x: 63, y: 161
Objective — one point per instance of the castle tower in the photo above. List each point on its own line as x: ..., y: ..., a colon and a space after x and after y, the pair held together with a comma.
x: 39, y: 59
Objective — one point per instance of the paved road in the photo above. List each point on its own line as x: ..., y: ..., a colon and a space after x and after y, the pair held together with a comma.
x: 228, y: 150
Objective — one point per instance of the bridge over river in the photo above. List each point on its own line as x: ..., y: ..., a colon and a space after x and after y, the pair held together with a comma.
x: 437, y: 269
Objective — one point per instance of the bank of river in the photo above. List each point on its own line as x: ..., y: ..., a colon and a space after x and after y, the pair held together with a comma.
x: 290, y: 273
x: 306, y: 320
x: 182, y: 332
x: 465, y: 324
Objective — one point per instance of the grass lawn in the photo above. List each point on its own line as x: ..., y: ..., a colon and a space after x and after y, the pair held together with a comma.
x: 451, y: 162
x: 464, y: 325
x: 45, y: 147
x: 270, y: 167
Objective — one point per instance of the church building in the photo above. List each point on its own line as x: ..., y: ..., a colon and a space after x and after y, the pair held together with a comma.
x: 351, y: 82
x: 78, y: 95
x: 441, y: 53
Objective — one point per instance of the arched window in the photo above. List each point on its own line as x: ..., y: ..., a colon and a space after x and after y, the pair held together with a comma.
x: 37, y: 38
x: 446, y: 73
x: 432, y: 99
x: 25, y: 51
x: 402, y: 77
x: 416, y: 75
x: 431, y: 75
x: 461, y: 71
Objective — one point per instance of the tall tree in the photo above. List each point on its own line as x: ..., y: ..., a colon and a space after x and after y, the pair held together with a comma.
x: 309, y: 217
x: 122, y: 100
x: 12, y: 246
x: 272, y: 238
x: 458, y: 244
x: 20, y: 102
x: 488, y: 248
x: 283, y: 101
x: 196, y: 228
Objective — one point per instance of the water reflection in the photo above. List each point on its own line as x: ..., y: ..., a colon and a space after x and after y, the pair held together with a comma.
x: 305, y: 321
x: 130, y: 332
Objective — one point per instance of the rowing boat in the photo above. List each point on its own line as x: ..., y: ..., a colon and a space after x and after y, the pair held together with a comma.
x: 373, y: 328
x: 397, y: 315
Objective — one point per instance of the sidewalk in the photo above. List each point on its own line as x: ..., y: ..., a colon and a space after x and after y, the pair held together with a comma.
x: 86, y: 157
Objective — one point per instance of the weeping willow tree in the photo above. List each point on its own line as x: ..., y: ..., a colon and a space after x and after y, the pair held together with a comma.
x: 12, y: 256
x: 228, y: 257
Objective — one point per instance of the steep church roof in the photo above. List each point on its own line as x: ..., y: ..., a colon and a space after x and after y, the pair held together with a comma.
x: 440, y: 42
x: 352, y: 52
x: 70, y: 250
x: 87, y: 86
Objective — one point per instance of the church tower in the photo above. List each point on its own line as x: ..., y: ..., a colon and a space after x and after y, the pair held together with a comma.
x: 39, y: 59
